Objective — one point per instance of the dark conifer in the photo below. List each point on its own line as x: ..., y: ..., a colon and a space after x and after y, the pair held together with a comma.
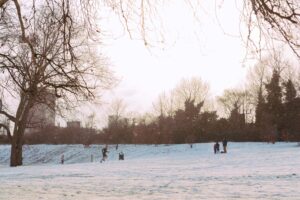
x: 274, y: 103
x: 291, y: 108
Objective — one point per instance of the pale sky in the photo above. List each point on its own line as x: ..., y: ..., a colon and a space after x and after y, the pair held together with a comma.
x: 195, y: 48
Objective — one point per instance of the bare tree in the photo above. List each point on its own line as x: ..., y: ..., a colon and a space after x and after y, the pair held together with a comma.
x: 257, y: 76
x: 268, y: 21
x: 46, y: 49
x: 164, y: 105
x: 261, y: 72
x: 273, y: 20
x: 193, y: 89
x: 117, y: 109
x: 237, y: 98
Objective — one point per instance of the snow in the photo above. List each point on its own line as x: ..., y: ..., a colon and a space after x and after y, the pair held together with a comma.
x: 247, y: 171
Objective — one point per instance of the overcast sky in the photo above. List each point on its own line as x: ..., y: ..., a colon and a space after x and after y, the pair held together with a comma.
x: 209, y: 48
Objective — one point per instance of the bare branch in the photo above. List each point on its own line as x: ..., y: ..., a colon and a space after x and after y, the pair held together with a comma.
x: 10, y: 117
x: 2, y: 2
x: 7, y: 130
x: 276, y: 20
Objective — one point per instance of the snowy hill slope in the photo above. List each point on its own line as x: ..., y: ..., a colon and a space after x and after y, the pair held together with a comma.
x: 51, y: 154
x: 249, y: 171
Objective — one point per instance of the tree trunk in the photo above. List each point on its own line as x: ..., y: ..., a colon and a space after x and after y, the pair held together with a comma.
x: 16, y: 150
x: 17, y: 143
x: 19, y: 128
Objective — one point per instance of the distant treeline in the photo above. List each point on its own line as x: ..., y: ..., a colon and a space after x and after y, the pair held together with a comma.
x: 276, y: 118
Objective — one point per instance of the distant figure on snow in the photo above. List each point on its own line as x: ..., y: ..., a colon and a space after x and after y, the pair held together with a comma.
x: 62, y: 159
x: 216, y: 147
x: 224, y: 142
x: 104, y: 153
x: 121, y: 156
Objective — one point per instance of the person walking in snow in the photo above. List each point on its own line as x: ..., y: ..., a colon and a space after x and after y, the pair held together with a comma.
x: 104, y: 153
x: 224, y: 142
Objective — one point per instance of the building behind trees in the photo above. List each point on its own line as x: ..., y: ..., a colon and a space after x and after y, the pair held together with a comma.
x: 42, y: 114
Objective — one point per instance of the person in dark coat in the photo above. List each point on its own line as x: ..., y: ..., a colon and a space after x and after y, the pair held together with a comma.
x: 216, y: 147
x: 224, y: 142
x: 62, y: 159
x: 104, y: 153
x: 121, y: 156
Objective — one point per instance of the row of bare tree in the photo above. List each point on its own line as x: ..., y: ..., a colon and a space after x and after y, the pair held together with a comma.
x: 265, y: 108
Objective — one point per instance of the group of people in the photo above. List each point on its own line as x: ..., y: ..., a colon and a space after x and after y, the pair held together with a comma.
x: 217, y: 146
x: 105, y: 153
x: 121, y: 154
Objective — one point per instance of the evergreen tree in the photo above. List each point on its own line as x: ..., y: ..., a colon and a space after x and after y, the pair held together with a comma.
x: 186, y: 121
x: 290, y: 91
x: 291, y: 107
x: 263, y: 125
x: 274, y: 103
x: 236, y: 119
x: 206, y: 125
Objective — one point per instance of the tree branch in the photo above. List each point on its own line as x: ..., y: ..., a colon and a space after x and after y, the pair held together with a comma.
x: 10, y: 117
x: 22, y: 27
x: 7, y: 130
x: 2, y: 2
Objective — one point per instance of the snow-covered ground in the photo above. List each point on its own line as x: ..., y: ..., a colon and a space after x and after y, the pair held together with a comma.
x: 247, y: 171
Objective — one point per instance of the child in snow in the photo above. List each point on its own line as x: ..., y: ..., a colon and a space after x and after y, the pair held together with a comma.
x: 121, y: 156
x: 216, y: 147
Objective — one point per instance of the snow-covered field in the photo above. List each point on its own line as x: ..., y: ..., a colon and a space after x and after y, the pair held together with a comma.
x: 248, y: 171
